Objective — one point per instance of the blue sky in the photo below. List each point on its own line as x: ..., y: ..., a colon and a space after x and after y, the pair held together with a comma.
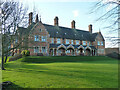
x: 68, y: 11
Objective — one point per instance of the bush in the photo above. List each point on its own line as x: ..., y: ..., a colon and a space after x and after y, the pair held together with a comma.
x: 25, y: 53
x: 17, y: 56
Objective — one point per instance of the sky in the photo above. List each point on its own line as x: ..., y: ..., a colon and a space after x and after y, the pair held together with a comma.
x: 68, y: 10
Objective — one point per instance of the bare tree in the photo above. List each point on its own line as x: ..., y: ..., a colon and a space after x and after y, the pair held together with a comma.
x: 112, y: 15
x: 13, y: 15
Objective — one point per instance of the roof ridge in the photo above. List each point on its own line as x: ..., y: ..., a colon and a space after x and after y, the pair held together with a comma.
x: 66, y: 27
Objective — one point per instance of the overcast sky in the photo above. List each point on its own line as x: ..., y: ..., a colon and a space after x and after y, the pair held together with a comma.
x: 68, y: 10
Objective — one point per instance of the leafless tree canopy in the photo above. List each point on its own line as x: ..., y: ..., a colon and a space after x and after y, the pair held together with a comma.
x: 112, y: 15
x: 12, y: 14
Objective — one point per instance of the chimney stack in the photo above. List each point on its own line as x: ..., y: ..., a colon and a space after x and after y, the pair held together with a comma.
x: 30, y: 17
x: 90, y: 28
x: 37, y: 20
x: 56, y: 21
x: 73, y: 24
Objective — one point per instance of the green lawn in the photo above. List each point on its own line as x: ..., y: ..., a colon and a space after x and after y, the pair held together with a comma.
x: 62, y: 72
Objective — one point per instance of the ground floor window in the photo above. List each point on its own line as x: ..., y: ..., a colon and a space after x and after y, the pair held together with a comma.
x: 59, y: 51
x: 68, y: 51
x: 43, y: 49
x: 101, y: 51
x: 36, y: 50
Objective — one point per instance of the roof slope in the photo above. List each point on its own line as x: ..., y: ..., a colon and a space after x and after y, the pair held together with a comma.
x: 69, y: 33
x: 62, y: 32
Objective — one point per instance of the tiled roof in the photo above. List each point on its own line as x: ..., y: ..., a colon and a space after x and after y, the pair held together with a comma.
x: 24, y: 31
x: 62, y: 32
x: 68, y: 33
x: 93, y: 36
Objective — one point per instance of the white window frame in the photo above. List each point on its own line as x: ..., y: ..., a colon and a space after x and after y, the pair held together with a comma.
x: 43, y: 51
x: 36, y: 38
x: 68, y: 51
x: 72, y: 42
x: 67, y: 41
x: 77, y: 42
x: 84, y: 42
x: 98, y: 43
x: 35, y: 50
x: 88, y: 43
x: 58, y: 40
x: 102, y: 43
x: 43, y: 38
x: 52, y: 40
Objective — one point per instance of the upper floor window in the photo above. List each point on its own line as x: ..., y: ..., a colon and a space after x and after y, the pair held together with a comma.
x: 36, y: 38
x: 58, y: 40
x: 52, y: 40
x: 40, y: 30
x: 98, y: 43
x: 102, y: 43
x: 67, y: 41
x: 87, y: 43
x: 77, y: 42
x: 44, y: 38
x: 84, y: 42
x: 72, y: 42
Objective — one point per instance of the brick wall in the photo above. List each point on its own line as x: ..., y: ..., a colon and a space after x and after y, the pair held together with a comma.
x: 111, y: 50
x: 99, y: 47
x: 41, y: 31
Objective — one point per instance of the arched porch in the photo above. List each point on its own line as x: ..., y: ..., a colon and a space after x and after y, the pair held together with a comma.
x: 81, y: 50
x: 70, y: 50
x: 61, y: 51
x: 88, y: 51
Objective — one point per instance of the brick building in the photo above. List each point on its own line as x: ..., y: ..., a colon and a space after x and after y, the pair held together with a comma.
x: 56, y: 40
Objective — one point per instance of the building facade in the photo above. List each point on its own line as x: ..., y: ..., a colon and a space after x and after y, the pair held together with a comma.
x: 55, y: 40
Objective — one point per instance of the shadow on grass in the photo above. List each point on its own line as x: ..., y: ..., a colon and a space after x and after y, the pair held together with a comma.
x: 12, y: 87
x: 65, y: 59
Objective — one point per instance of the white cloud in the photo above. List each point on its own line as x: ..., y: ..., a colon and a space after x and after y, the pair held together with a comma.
x: 75, y: 13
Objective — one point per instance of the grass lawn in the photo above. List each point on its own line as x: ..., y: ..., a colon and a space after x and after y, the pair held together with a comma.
x: 62, y: 72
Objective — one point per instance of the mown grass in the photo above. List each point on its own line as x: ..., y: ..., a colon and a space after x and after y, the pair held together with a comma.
x: 62, y: 72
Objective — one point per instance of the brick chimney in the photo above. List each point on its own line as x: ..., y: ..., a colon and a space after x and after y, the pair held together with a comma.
x: 90, y: 28
x: 36, y: 20
x: 73, y: 24
x: 56, y: 21
x: 30, y: 17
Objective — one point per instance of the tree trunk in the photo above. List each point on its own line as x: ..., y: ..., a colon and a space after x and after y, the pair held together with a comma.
x: 2, y: 62
x: 6, y: 57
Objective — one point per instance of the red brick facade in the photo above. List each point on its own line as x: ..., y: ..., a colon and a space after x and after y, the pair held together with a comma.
x: 43, y: 40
